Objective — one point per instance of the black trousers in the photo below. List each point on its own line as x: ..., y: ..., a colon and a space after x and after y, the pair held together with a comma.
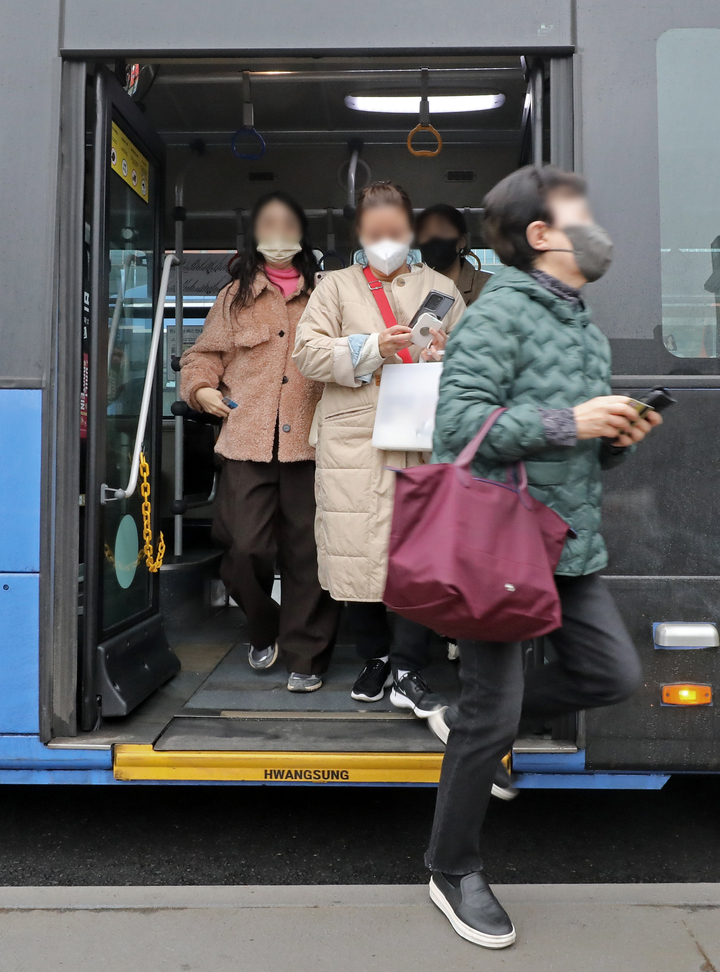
x: 266, y: 511
x: 408, y: 649
x: 596, y: 665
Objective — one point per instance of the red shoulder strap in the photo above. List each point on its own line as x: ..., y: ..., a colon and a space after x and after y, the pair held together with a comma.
x: 385, y: 309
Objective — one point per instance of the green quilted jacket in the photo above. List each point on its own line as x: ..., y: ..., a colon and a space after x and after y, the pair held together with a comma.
x: 522, y: 347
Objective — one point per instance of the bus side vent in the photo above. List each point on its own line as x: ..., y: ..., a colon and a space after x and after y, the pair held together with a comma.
x: 460, y: 175
x: 261, y: 176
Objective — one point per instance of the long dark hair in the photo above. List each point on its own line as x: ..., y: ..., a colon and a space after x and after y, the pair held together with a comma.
x: 244, y: 268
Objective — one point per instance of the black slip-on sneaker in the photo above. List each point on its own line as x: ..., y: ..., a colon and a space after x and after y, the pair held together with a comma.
x: 472, y: 909
x: 372, y: 681
x: 412, y: 692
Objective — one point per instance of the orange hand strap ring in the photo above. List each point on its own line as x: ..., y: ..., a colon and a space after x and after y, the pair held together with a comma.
x: 424, y: 121
x: 426, y: 152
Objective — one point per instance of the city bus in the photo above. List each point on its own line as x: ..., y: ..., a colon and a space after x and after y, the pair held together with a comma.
x: 137, y: 138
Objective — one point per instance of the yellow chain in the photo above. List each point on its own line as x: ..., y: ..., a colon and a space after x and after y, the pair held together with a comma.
x: 153, y: 565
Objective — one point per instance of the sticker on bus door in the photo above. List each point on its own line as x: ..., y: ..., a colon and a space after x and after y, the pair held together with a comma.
x: 129, y: 163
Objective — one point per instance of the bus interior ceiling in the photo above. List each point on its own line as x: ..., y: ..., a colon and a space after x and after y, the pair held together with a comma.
x: 217, y: 702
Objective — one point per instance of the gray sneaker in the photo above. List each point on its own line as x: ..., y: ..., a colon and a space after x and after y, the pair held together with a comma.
x: 303, y: 683
x: 262, y: 658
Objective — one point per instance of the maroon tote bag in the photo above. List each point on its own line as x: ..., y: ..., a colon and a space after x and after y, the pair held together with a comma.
x: 473, y: 558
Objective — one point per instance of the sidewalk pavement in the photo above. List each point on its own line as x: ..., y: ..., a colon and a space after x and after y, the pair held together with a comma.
x: 354, y: 928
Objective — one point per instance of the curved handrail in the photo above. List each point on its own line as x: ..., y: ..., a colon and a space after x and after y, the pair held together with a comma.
x: 331, y: 253
x: 107, y: 493
x: 352, y: 177
x: 248, y: 130
x: 425, y: 152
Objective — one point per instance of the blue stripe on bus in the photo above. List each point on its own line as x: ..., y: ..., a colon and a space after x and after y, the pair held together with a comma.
x: 19, y: 655
x: 592, y: 781
x: 549, y: 762
x: 20, y: 452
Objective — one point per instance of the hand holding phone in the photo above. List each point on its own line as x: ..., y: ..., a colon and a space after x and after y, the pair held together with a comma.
x: 421, y: 333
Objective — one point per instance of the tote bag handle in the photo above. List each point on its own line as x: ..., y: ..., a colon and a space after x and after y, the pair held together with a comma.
x: 468, y: 454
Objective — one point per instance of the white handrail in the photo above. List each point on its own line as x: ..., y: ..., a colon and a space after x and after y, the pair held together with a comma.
x: 107, y: 493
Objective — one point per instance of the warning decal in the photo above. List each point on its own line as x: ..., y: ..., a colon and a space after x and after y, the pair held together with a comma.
x: 129, y: 163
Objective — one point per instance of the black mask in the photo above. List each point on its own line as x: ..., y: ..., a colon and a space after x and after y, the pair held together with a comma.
x: 439, y: 253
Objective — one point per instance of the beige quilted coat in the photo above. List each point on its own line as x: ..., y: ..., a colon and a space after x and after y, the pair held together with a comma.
x: 353, y: 487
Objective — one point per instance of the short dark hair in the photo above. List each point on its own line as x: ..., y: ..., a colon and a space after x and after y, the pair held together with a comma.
x: 446, y: 212
x: 383, y: 194
x: 518, y: 200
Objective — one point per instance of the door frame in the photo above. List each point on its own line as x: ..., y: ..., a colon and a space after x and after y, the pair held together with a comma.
x: 59, y: 675
x: 110, y: 98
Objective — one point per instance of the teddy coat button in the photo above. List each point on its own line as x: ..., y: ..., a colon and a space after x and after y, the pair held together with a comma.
x: 286, y: 428
x: 285, y: 380
x: 281, y: 333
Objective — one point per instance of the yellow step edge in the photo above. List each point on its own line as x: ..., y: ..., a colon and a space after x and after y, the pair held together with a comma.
x: 135, y: 762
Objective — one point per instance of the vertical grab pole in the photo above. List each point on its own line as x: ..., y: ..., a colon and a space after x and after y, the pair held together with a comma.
x: 180, y: 214
x: 536, y: 119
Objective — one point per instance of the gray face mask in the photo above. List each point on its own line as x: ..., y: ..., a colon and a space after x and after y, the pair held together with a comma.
x: 592, y: 247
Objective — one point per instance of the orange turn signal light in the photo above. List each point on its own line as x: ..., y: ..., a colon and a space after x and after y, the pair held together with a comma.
x: 684, y: 694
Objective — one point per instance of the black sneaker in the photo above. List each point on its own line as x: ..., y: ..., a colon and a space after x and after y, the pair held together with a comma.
x: 503, y: 787
x: 441, y: 722
x: 472, y: 909
x: 412, y: 692
x: 372, y: 681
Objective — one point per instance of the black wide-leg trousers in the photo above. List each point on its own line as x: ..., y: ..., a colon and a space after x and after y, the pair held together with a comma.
x: 596, y: 664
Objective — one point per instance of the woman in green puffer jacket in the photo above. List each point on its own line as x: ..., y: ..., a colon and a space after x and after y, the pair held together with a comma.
x: 528, y: 344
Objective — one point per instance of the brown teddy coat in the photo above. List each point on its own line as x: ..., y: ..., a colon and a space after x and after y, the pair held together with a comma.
x: 248, y: 356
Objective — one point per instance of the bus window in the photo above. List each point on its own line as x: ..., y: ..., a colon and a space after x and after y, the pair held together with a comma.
x: 689, y: 156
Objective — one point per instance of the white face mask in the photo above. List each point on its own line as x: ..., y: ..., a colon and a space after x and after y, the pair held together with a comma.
x: 279, y: 252
x: 387, y: 256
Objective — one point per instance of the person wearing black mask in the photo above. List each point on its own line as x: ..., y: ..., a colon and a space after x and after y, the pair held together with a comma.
x: 441, y: 234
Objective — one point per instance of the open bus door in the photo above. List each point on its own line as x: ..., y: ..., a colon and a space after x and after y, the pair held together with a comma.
x: 124, y: 652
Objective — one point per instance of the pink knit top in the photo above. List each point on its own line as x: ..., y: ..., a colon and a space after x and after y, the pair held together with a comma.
x: 285, y: 280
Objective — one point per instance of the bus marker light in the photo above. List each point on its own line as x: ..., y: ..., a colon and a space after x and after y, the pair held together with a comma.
x: 685, y: 694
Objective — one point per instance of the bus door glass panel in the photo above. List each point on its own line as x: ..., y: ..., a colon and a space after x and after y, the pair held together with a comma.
x: 689, y: 156
x: 130, y: 250
x: 124, y: 654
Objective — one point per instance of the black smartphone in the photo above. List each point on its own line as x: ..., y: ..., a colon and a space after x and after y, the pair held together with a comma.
x: 657, y: 398
x: 436, y: 304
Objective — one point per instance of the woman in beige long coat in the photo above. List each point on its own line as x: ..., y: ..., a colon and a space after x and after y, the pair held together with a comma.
x: 241, y: 370
x: 342, y: 340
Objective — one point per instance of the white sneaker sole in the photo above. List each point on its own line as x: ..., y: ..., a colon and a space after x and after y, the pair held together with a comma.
x: 372, y: 698
x: 506, y: 793
x: 267, y: 664
x: 465, y: 931
x: 440, y: 728
x: 401, y: 701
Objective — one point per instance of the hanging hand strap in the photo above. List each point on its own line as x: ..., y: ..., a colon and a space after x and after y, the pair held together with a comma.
x: 424, y: 121
x: 385, y: 309
x: 248, y: 126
